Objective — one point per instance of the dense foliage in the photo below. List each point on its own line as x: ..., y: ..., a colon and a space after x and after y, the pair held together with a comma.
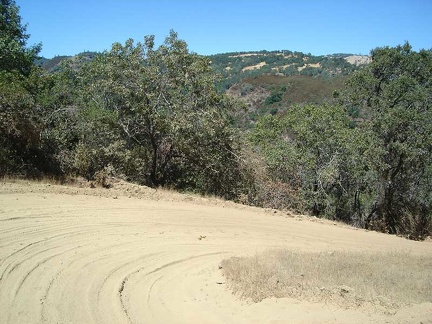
x: 151, y: 115
x: 162, y: 110
x: 373, y: 171
x: 14, y: 54
x: 154, y: 115
x: 395, y: 95
x: 19, y: 120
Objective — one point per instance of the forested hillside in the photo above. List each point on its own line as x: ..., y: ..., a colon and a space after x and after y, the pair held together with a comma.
x: 55, y: 64
x: 234, y: 67
x: 274, y: 94
x: 317, y: 135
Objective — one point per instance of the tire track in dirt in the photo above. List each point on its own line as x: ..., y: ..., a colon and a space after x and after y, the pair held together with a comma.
x: 138, y: 276
x: 9, y: 268
x: 72, y: 270
x: 29, y: 253
x: 29, y: 273
x: 87, y: 259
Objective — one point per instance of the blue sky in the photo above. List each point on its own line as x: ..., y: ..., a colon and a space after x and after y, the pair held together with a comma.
x: 67, y: 27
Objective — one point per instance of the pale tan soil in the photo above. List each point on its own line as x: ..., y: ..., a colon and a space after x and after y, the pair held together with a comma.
x: 358, y: 59
x: 136, y: 255
x: 245, y: 55
x: 253, y: 67
x: 282, y: 67
x: 314, y: 65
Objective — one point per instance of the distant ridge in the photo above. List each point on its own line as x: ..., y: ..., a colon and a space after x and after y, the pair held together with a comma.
x: 234, y: 66
x: 53, y: 65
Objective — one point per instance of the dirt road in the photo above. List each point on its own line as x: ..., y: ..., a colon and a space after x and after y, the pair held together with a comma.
x: 70, y: 255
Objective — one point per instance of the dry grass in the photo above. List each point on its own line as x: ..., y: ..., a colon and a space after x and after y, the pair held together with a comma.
x: 314, y: 65
x: 300, y: 89
x: 113, y: 188
x: 42, y: 179
x: 253, y: 67
x: 385, y: 281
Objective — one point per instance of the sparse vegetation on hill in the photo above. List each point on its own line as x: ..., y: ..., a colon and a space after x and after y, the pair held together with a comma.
x: 234, y: 67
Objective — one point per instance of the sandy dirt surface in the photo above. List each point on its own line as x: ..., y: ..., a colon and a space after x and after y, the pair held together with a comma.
x: 136, y: 255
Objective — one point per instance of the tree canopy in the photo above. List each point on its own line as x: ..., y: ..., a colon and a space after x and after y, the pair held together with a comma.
x: 395, y: 95
x: 14, y: 53
x: 165, y: 106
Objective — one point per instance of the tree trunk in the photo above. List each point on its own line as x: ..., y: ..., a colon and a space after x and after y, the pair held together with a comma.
x: 153, y: 173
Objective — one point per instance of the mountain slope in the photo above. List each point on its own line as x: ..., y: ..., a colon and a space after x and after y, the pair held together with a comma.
x: 234, y: 67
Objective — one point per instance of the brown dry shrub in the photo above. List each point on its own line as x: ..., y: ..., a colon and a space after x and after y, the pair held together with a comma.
x: 279, y: 195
